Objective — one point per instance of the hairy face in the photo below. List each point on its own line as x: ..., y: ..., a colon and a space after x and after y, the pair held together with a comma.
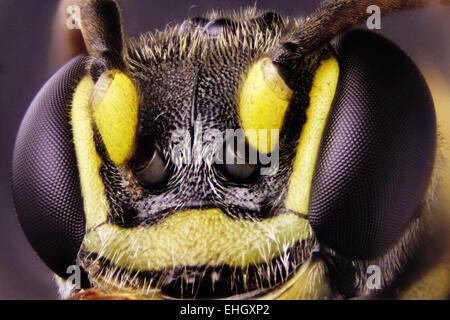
x: 232, y: 156
x: 173, y: 211
x: 200, y: 179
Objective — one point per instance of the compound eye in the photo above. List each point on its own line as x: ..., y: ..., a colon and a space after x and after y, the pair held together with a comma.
x: 377, y: 151
x: 153, y: 171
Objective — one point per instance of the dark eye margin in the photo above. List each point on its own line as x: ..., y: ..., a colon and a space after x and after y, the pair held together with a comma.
x: 243, y: 173
x: 150, y: 168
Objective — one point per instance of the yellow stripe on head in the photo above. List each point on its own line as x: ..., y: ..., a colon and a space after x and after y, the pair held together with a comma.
x: 320, y: 99
x: 93, y: 190
x: 114, y: 105
x: 196, y: 238
x: 310, y: 282
x: 263, y: 100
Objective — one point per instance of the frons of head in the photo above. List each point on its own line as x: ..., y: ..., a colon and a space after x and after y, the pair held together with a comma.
x: 103, y: 36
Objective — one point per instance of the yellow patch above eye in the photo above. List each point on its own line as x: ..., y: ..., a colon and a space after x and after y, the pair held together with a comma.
x: 114, y: 105
x: 263, y: 100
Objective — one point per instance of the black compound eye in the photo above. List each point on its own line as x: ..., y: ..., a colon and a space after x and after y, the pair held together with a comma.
x: 377, y: 151
x: 44, y: 157
x: 153, y: 171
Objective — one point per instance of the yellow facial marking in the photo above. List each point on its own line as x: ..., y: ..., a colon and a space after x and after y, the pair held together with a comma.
x: 434, y: 284
x: 321, y: 96
x: 263, y: 100
x: 114, y: 105
x: 197, y: 237
x: 310, y: 282
x: 93, y: 190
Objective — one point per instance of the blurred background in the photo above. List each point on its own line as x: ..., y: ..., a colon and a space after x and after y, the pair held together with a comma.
x: 32, y: 50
